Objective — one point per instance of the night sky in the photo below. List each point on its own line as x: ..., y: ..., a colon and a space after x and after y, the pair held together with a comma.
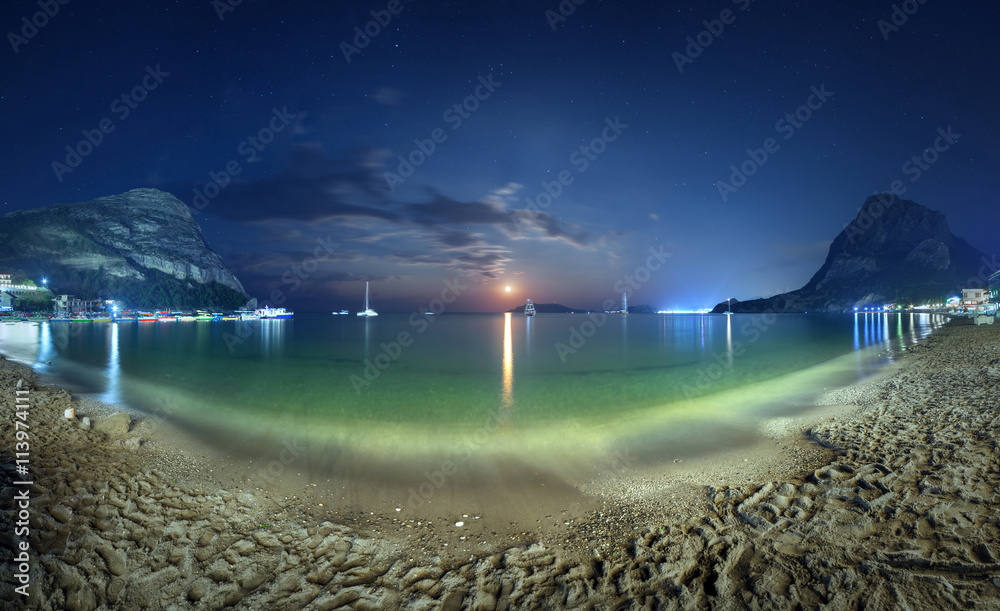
x: 624, y: 115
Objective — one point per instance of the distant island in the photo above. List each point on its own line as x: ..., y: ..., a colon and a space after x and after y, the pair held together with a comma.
x: 557, y: 308
x: 894, y: 252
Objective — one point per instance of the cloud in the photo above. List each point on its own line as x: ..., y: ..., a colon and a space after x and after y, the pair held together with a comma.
x: 312, y: 188
x: 529, y: 223
x: 388, y: 96
x: 351, y: 196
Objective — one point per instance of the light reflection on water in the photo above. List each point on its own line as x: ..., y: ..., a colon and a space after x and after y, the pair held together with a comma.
x: 507, y: 392
x: 304, y: 367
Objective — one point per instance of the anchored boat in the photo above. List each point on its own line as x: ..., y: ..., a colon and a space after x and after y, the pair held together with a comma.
x: 368, y: 311
x: 278, y: 313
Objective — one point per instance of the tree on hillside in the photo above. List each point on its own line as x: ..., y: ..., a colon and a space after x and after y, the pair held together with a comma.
x: 35, y: 301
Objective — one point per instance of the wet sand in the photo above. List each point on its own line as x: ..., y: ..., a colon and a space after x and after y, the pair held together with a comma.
x: 881, y: 497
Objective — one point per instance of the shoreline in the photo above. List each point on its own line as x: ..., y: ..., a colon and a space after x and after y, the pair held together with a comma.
x: 157, y: 522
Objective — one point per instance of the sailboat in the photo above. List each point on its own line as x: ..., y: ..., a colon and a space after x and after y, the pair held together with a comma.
x: 368, y: 311
x: 529, y: 309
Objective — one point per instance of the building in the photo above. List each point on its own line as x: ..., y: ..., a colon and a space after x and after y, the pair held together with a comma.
x: 6, y: 302
x: 67, y: 304
x: 5, y: 280
x: 994, y: 286
x: 974, y: 300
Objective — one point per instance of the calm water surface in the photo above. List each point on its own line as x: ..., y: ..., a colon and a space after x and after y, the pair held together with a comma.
x: 438, y: 377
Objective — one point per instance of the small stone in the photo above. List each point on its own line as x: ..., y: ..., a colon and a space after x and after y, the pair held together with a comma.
x: 62, y: 513
x: 114, y: 558
x: 197, y: 591
x: 85, y: 423
x: 460, y: 524
x: 115, y: 426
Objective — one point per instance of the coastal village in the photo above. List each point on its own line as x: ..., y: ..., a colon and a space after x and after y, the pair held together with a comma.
x: 69, y: 308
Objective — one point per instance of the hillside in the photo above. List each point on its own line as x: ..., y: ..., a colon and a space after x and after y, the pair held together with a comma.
x: 894, y: 251
x: 141, y: 247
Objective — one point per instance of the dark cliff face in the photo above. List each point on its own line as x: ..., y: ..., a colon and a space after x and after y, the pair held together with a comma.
x: 143, y: 241
x: 895, y: 251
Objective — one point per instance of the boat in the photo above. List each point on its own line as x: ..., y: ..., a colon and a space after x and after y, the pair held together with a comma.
x: 341, y: 313
x: 276, y: 313
x: 368, y: 311
x: 529, y: 309
x: 624, y: 311
x: 247, y: 315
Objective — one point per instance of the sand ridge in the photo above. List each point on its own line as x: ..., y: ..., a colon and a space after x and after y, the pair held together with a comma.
x: 890, y: 504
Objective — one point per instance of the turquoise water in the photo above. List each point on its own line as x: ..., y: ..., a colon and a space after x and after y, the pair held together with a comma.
x: 441, y: 376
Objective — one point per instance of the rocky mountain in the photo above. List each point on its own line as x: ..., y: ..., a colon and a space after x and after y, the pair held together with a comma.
x: 895, y: 251
x: 141, y: 247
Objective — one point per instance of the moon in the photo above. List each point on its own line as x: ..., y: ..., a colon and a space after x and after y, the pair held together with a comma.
x: 508, y: 289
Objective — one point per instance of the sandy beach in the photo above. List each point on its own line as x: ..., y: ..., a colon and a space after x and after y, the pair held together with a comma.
x: 882, y: 497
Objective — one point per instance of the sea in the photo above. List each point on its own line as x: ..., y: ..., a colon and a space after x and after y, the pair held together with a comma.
x: 412, y: 385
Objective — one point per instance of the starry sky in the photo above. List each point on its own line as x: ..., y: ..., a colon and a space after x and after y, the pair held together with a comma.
x: 684, y: 152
